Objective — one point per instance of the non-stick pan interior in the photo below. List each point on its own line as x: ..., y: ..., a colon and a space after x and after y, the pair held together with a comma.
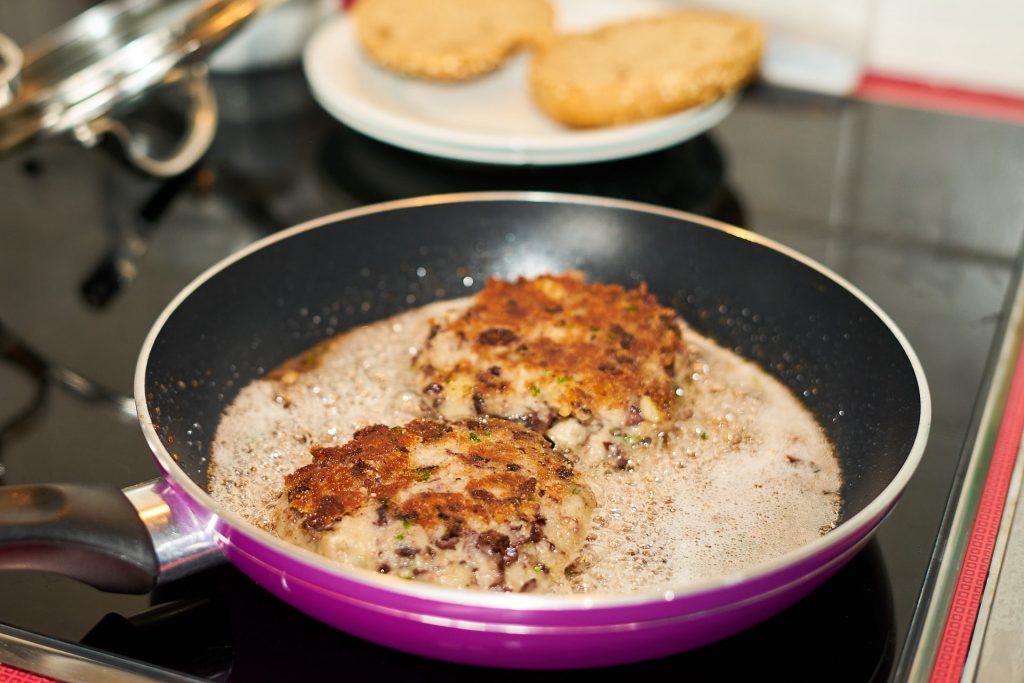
x: 821, y: 340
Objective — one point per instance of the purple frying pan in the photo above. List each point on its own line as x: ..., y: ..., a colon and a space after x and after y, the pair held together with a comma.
x: 815, y: 332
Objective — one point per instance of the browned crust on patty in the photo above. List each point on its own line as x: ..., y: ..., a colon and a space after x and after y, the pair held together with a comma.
x: 510, y: 469
x: 581, y: 347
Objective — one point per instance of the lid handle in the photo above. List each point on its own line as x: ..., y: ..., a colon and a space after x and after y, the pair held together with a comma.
x: 195, y: 141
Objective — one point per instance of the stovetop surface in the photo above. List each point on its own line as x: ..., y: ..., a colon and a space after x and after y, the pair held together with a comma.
x: 920, y: 210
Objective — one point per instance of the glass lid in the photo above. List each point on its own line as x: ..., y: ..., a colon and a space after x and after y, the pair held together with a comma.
x: 110, y: 55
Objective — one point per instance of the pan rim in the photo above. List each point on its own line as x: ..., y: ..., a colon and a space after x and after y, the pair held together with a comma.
x: 844, y: 532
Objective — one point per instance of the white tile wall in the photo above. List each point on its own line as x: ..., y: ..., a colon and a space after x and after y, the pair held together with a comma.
x: 977, y: 45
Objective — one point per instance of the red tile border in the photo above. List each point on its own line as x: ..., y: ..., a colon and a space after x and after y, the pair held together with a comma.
x: 892, y: 90
x: 8, y: 674
x: 962, y: 617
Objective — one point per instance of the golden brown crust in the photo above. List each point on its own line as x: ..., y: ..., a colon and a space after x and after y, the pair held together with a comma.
x: 503, y: 470
x: 643, y: 68
x: 449, y: 40
x: 581, y: 348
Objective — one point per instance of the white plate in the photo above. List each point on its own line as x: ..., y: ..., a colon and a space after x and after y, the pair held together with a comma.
x: 490, y: 119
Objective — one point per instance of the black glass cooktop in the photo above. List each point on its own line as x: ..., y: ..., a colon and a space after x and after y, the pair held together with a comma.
x: 920, y: 210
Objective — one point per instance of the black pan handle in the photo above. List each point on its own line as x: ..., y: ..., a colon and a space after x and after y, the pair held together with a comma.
x: 90, y: 533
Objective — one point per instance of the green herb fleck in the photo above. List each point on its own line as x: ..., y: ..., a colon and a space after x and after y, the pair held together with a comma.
x: 629, y: 439
x: 632, y: 307
x: 538, y: 568
x: 595, y: 329
x: 406, y: 524
x: 703, y: 436
x: 563, y: 379
x: 575, y: 490
x: 534, y: 390
x: 400, y: 537
x: 474, y: 438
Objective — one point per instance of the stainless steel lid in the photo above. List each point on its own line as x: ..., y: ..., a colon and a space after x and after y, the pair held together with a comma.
x: 75, y: 77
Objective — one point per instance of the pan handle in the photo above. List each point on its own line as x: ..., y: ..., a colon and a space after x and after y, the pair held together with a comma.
x: 120, y: 541
x: 90, y: 533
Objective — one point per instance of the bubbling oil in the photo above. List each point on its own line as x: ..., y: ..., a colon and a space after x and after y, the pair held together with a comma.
x: 745, y: 477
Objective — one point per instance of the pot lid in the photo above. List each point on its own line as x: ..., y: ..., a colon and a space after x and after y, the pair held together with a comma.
x: 10, y: 69
x: 110, y: 55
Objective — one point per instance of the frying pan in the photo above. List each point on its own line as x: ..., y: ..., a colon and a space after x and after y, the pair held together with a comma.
x: 815, y: 332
